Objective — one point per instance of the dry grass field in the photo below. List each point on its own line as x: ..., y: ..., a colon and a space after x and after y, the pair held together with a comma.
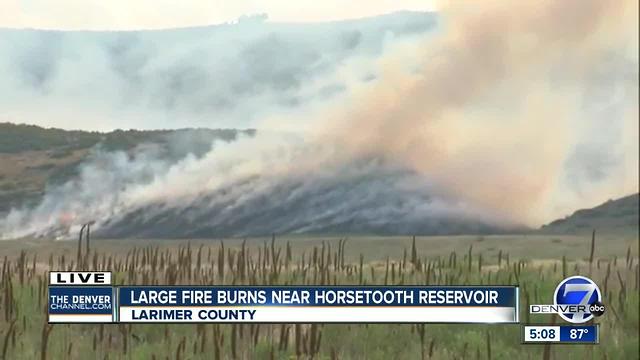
x: 536, y: 263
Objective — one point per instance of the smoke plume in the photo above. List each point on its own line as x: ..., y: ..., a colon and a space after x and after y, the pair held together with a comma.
x: 501, y: 107
x: 509, y: 114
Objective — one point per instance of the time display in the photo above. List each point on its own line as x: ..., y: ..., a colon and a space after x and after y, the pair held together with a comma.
x: 541, y: 333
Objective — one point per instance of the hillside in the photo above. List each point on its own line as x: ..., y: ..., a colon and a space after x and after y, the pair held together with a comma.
x: 618, y: 216
x: 32, y: 157
x: 35, y: 161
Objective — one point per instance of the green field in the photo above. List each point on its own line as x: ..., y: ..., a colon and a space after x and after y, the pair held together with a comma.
x: 534, y: 262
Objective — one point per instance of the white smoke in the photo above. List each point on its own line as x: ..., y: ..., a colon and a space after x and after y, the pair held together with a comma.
x: 219, y: 76
x: 509, y: 115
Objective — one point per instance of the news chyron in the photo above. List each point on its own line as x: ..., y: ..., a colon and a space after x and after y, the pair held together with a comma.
x: 83, y: 297
x: 90, y: 297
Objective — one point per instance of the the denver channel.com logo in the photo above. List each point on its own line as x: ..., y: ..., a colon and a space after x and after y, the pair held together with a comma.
x: 577, y: 299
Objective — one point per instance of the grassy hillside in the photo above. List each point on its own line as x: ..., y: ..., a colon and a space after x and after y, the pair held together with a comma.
x: 19, y: 138
x: 32, y: 157
x: 614, y: 216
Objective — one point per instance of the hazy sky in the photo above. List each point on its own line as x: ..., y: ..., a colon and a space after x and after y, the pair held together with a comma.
x: 149, y: 14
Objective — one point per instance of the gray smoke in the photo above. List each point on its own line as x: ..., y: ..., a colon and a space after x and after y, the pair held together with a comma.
x: 218, y: 76
x: 502, y: 117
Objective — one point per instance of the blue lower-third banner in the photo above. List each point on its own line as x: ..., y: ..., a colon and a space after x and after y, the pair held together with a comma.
x: 322, y: 304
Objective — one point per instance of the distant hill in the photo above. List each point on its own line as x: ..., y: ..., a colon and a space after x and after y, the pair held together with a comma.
x: 32, y: 157
x: 35, y: 160
x: 614, y: 216
x: 16, y: 138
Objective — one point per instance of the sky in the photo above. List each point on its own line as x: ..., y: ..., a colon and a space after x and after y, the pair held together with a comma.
x: 157, y: 14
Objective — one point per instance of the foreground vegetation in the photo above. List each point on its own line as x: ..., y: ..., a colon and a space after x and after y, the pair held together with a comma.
x: 25, y: 333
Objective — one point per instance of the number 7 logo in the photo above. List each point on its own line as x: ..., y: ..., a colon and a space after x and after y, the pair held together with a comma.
x: 577, y: 290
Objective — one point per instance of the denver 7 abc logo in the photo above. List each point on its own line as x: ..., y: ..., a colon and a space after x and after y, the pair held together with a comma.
x: 577, y: 299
